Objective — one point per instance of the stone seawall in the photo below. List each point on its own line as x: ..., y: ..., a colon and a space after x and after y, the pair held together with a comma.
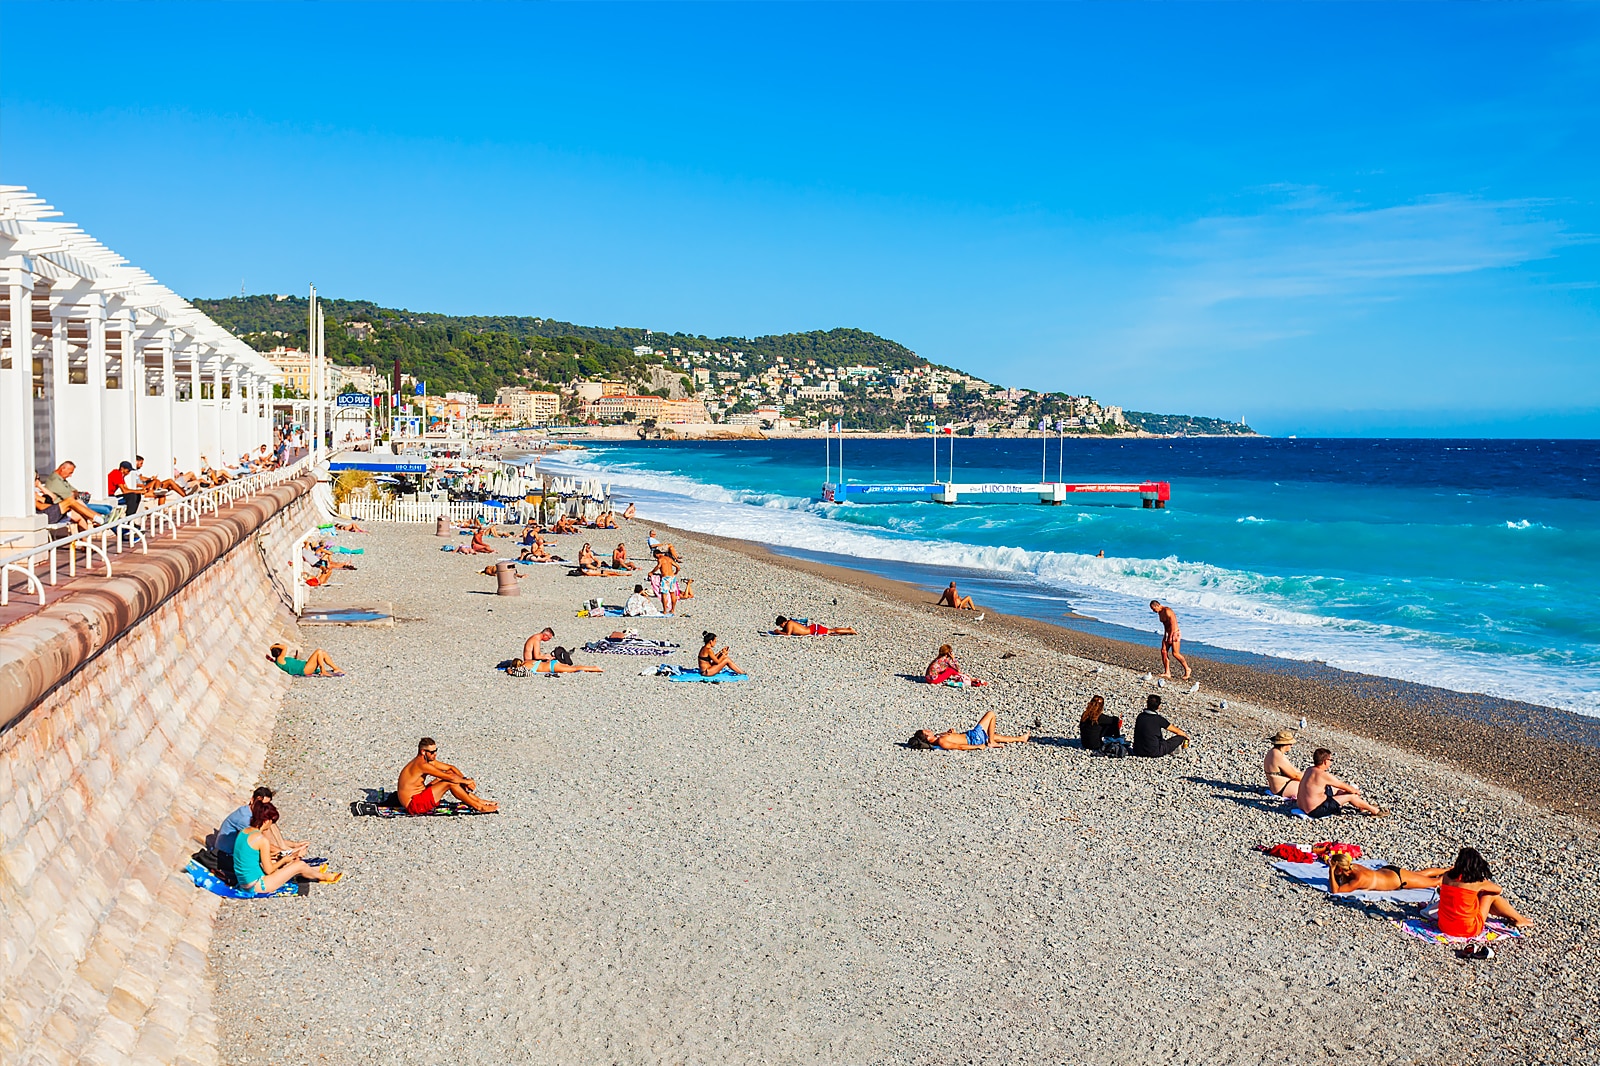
x: 137, y: 711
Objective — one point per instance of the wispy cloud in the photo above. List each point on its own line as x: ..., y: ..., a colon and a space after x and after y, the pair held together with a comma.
x: 1244, y: 280
x: 1309, y: 245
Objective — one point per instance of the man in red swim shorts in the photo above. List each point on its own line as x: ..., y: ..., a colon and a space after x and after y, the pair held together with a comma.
x: 418, y: 795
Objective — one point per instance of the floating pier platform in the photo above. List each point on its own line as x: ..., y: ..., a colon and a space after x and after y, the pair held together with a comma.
x: 1153, y: 494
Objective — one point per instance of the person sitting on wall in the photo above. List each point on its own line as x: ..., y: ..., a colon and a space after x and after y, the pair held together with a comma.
x: 66, y: 496
x: 117, y: 487
x: 419, y: 795
x: 317, y: 664
x: 46, y: 504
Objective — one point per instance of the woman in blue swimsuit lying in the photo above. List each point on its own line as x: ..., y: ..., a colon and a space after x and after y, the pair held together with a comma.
x: 979, y: 736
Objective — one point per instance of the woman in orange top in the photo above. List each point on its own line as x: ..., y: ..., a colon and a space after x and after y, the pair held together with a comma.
x: 1467, y: 898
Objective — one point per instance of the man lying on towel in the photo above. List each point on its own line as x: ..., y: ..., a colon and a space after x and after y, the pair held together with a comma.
x: 419, y: 796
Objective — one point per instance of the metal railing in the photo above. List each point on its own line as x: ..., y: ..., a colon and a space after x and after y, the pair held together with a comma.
x: 516, y: 511
x: 136, y: 530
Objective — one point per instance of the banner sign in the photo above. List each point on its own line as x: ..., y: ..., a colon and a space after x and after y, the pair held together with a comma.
x: 352, y: 399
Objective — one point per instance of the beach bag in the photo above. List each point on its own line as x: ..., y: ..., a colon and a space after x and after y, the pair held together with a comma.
x: 1115, y: 748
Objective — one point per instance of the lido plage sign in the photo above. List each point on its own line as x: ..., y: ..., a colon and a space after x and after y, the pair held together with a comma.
x: 353, y: 399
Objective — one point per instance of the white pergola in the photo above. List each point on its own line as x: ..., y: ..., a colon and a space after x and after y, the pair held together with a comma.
x: 99, y: 362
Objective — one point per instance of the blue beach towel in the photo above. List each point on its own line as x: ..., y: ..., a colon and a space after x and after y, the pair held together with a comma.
x: 713, y: 679
x: 213, y: 884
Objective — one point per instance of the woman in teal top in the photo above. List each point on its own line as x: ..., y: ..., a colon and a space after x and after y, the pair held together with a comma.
x: 318, y: 665
x: 257, y: 870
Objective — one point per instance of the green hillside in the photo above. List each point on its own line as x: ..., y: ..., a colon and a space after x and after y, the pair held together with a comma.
x: 479, y: 353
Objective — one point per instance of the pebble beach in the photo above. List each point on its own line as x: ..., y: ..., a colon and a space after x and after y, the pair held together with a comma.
x: 763, y: 872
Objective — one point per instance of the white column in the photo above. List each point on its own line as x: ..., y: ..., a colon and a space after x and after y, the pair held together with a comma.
x: 227, y: 412
x: 154, y: 434
x: 75, y: 406
x: 16, y: 403
x: 117, y: 416
x: 186, y: 435
x: 211, y: 410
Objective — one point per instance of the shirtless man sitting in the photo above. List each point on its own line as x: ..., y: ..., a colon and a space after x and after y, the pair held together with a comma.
x: 1322, y: 794
x: 953, y: 598
x: 1282, y: 777
x: 533, y: 649
x: 418, y: 795
x: 1171, y: 639
x: 619, y: 559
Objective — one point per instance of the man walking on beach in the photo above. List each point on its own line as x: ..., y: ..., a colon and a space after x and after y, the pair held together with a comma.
x: 1171, y: 638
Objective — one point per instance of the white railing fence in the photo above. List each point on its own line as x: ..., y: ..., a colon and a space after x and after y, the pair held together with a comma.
x: 137, y: 530
x: 515, y: 512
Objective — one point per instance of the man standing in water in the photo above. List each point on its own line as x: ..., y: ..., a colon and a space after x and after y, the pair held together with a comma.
x: 1170, y: 639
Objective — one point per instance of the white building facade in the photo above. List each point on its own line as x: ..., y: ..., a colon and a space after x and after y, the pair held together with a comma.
x: 99, y: 363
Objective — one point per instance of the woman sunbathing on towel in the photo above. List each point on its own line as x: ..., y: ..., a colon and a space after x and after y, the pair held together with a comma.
x: 788, y: 627
x: 317, y: 664
x: 350, y: 527
x: 1467, y: 898
x: 536, y: 554
x: 255, y: 866
x: 979, y: 736
x: 945, y: 668
x: 713, y: 662
x: 1347, y: 875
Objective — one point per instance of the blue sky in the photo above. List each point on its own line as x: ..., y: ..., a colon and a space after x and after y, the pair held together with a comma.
x: 1324, y: 218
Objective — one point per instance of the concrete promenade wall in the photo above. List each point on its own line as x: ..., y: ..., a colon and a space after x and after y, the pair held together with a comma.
x: 137, y: 711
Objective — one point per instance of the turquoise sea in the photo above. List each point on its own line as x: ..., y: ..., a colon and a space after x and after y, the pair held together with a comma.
x: 1468, y: 564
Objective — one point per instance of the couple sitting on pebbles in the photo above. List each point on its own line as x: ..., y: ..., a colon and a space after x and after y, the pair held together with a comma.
x: 1317, y: 792
x: 260, y: 859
